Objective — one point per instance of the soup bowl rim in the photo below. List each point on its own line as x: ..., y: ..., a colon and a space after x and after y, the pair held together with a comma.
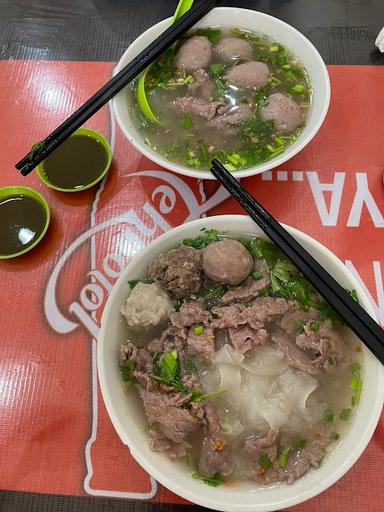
x: 172, y: 475
x: 122, y: 115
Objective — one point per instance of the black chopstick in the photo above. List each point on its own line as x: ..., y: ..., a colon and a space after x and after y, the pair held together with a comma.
x: 111, y: 88
x: 352, y: 313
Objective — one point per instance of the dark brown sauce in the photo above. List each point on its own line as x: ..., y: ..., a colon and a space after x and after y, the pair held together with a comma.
x: 22, y: 220
x: 77, y: 162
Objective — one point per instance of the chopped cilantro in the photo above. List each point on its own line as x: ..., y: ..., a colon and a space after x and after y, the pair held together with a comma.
x: 282, y: 458
x: 214, y: 480
x: 200, y: 242
x: 314, y: 326
x: 265, y: 462
x: 213, y: 34
x: 186, y: 122
x: 127, y: 369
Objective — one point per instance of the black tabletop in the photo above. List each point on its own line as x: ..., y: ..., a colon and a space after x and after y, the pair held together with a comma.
x: 344, y: 31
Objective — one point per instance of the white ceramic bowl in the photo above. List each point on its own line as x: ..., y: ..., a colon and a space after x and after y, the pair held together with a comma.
x: 127, y: 416
x: 255, y: 21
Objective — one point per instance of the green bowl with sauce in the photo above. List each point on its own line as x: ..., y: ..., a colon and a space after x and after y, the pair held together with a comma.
x: 78, y: 163
x: 24, y: 220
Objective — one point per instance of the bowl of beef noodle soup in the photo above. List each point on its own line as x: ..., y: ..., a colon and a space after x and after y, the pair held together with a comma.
x: 241, y: 86
x: 232, y: 382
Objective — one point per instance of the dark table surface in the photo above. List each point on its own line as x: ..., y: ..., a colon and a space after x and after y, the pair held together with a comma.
x: 343, y: 30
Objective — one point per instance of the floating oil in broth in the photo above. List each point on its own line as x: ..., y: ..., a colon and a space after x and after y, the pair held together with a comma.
x: 22, y: 220
x: 77, y: 162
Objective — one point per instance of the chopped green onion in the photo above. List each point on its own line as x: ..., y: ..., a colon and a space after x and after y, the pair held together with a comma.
x: 345, y: 414
x: 257, y: 275
x: 299, y: 326
x: 199, y: 329
x: 274, y: 48
x: 328, y: 416
x: 282, y: 459
x: 335, y: 436
x: 302, y: 443
x: 198, y: 395
x: 265, y: 462
x: 298, y: 88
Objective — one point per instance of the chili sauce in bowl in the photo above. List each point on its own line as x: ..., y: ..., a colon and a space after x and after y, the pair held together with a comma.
x: 78, y: 163
x: 24, y: 220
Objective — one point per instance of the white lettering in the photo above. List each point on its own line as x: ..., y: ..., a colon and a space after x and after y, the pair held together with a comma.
x: 118, y: 259
x: 328, y: 217
x: 364, y: 196
x: 85, y: 319
x: 91, y: 296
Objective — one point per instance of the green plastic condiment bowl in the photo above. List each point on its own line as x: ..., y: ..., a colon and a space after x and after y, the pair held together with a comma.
x: 89, y: 133
x: 16, y: 190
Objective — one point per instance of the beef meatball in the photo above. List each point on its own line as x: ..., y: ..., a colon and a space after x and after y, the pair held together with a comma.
x: 147, y: 306
x: 196, y: 53
x: 283, y: 111
x: 230, y: 48
x: 227, y: 262
x: 178, y: 271
x: 250, y: 74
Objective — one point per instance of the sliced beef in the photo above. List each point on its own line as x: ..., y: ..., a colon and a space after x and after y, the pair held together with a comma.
x: 171, y: 420
x: 155, y: 346
x: 129, y: 352
x: 294, y: 317
x: 178, y: 270
x: 255, y: 447
x: 227, y: 261
x: 284, y: 111
x: 159, y: 443
x: 202, y: 345
x: 214, y: 457
x: 228, y: 316
x: 191, y: 313
x: 202, y: 85
x: 194, y: 54
x: 232, y: 48
x: 145, y: 380
x: 197, y: 107
x: 301, y: 461
x: 249, y: 75
x: 173, y: 338
x: 324, y: 345
x: 246, y: 324
x: 264, y: 310
x: 247, y: 291
x: 295, y: 357
x: 245, y: 338
x: 228, y: 117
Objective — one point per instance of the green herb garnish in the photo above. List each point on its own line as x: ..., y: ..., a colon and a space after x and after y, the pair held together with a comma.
x: 198, y: 395
x: 335, y: 436
x: 200, y: 242
x: 299, y: 326
x: 265, y: 462
x: 302, y: 443
x: 127, y: 369
x: 314, y: 326
x: 134, y: 282
x: 328, y: 416
x: 257, y: 275
x: 213, y: 34
x: 282, y: 458
x: 186, y: 122
x: 345, y: 414
x: 168, y: 365
x: 198, y: 330
x: 214, y: 480
x: 356, y: 383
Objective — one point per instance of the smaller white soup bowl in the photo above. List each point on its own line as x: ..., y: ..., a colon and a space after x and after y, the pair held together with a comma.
x: 127, y: 412
x: 254, y: 21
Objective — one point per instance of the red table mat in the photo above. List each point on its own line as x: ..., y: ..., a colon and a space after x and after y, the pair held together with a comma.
x: 55, y: 435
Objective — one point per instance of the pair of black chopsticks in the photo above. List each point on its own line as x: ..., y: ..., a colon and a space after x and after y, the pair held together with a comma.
x: 111, y: 88
x: 354, y: 315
